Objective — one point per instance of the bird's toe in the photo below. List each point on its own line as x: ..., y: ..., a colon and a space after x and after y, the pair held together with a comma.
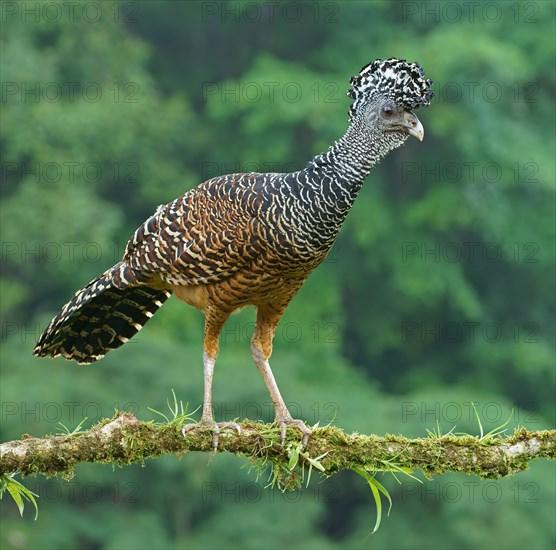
x: 299, y: 424
x: 215, y: 427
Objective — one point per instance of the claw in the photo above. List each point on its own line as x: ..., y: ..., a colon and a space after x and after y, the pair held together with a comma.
x: 216, y: 427
x: 299, y: 424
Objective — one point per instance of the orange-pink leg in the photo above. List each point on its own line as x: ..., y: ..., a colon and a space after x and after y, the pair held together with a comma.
x: 261, y: 350
x: 214, y: 321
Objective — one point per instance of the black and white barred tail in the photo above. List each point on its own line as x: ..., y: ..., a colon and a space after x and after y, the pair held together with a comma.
x: 100, y: 317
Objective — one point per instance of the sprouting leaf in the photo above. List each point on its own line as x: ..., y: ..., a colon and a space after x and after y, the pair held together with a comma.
x: 19, y: 493
x: 76, y: 431
x: 376, y: 488
x: 179, y: 413
x: 293, y: 454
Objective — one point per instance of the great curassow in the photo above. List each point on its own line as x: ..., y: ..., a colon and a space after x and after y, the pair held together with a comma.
x: 243, y: 239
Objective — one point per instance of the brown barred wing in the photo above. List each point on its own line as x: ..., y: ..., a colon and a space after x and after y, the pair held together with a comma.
x: 203, y: 237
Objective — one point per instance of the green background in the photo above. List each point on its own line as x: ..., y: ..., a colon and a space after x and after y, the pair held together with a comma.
x: 439, y: 291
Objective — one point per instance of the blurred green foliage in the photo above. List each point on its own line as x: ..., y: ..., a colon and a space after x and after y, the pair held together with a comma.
x: 439, y: 291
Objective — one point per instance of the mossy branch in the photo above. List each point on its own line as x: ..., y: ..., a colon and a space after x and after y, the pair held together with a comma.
x: 124, y: 440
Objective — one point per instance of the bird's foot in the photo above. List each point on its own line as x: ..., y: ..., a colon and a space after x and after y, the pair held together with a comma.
x: 216, y: 428
x: 299, y: 424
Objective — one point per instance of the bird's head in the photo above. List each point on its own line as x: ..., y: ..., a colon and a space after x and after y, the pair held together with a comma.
x: 385, y: 94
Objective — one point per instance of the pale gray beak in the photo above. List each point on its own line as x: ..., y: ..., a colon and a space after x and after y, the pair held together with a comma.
x: 412, y: 125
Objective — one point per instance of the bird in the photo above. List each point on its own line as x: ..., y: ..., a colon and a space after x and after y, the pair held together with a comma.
x: 246, y: 239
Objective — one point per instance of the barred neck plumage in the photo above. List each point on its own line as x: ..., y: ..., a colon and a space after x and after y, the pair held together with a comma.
x: 336, y: 176
x: 350, y: 159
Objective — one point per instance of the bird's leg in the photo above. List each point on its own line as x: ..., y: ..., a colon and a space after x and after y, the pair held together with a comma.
x: 208, y: 375
x: 261, y: 350
x: 213, y: 327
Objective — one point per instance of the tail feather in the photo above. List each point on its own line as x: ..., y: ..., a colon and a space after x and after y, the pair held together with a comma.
x: 100, y: 317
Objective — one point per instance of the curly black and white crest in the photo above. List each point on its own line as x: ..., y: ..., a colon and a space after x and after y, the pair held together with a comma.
x: 392, y: 78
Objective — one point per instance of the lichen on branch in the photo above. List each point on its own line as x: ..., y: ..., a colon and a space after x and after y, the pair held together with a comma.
x: 124, y: 440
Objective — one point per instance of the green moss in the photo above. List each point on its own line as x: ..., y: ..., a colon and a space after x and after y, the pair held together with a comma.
x: 133, y: 441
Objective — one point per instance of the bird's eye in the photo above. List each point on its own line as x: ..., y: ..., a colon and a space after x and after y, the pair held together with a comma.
x: 388, y: 111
